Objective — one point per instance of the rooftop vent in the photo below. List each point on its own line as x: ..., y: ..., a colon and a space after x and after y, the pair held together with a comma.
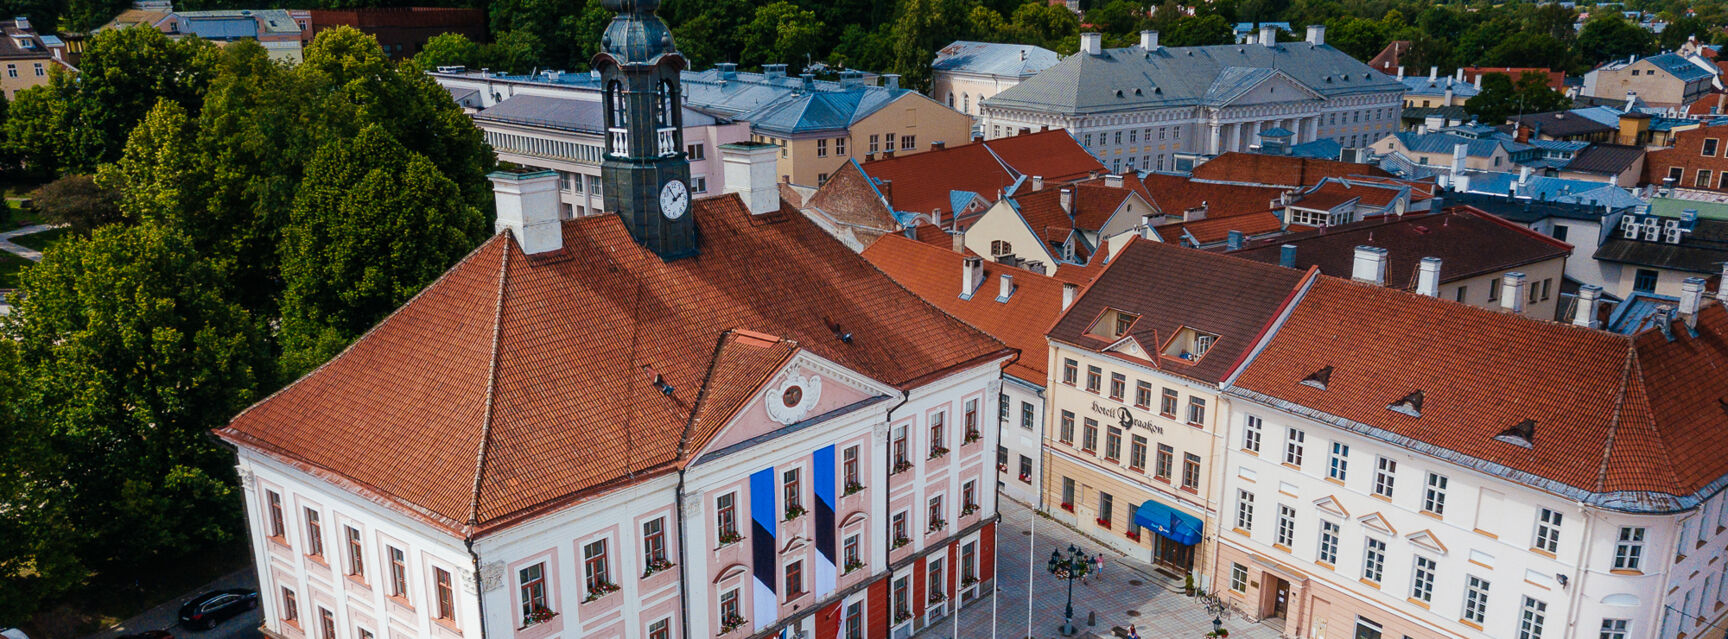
x: 834, y: 327
x: 1411, y: 404
x: 1319, y: 379
x: 1521, y: 434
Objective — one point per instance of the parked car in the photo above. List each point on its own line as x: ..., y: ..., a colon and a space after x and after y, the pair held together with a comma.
x: 149, y: 634
x: 211, y: 608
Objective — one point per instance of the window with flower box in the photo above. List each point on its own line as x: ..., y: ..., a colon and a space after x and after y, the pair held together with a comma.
x: 726, y: 518
x: 596, y: 575
x: 901, y: 450
x: 654, y: 546
x: 531, y: 587
x: 935, y: 589
x: 902, y: 600
x: 849, y: 470
x: 968, y: 497
x: 938, y: 442
x: 971, y: 422
x: 851, y: 554
x: 936, y: 522
x: 898, y: 527
x: 1068, y: 494
x: 1106, y: 509
x: 792, y: 492
x: 730, y: 618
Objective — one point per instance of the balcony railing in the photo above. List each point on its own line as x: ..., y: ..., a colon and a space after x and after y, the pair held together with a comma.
x: 620, y: 141
x: 668, y: 141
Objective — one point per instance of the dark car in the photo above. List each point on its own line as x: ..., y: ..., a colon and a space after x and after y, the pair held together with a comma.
x: 149, y: 634
x: 208, y: 609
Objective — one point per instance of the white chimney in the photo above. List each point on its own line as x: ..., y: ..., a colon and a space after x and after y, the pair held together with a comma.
x: 1037, y: 182
x: 527, y: 205
x: 1091, y: 43
x: 1370, y: 265
x: 1195, y: 214
x: 1722, y: 286
x: 1146, y: 227
x: 1512, y: 292
x: 1317, y: 37
x: 971, y: 275
x: 1113, y: 181
x: 1433, y: 73
x: 1589, y: 300
x: 1069, y: 291
x: 1459, y: 76
x: 1461, y: 183
x: 1460, y: 153
x: 1523, y: 175
x: 1691, y: 298
x: 1268, y: 35
x: 1428, y: 277
x: 959, y: 241
x: 1478, y: 81
x: 1400, y: 72
x: 1066, y: 199
x: 1006, y: 289
x: 1446, y: 97
x: 749, y: 171
x: 1149, y: 40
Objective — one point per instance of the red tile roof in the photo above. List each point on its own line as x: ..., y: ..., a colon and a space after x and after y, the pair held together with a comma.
x: 1053, y: 154
x: 1628, y: 421
x: 463, y: 369
x: 1468, y: 241
x: 1170, y: 287
x: 1174, y: 194
x: 921, y: 183
x: 1217, y: 229
x: 1279, y: 170
x: 935, y: 275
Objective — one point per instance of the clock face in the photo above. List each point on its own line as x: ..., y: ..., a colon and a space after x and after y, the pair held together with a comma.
x: 674, y: 199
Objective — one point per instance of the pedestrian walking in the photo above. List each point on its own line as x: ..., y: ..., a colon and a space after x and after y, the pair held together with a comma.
x: 1098, y: 565
x: 1133, y: 633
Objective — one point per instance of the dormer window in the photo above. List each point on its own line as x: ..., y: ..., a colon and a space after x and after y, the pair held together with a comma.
x: 1319, y: 379
x: 1410, y: 405
x: 1521, y: 434
x: 1189, y: 344
x: 1112, y: 324
x: 1123, y: 321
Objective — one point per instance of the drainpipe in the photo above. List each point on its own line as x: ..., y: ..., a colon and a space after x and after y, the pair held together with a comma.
x: 479, y: 586
x: 683, y: 561
x: 1576, y: 588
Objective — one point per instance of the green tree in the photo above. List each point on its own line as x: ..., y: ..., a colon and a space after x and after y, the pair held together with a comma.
x: 121, y: 76
x: 1608, y: 35
x: 1531, y: 50
x: 37, y: 131
x: 862, y: 48
x: 1118, y: 17
x: 782, y: 33
x: 76, y: 201
x: 39, y: 559
x: 374, y: 222
x: 512, y: 52
x: 447, y: 49
x: 1359, y: 37
x: 920, y: 28
x: 1050, y: 26
x: 1501, y: 97
x: 987, y: 25
x: 713, y: 35
x: 158, y: 164
x: 1195, y: 31
x: 1681, y: 29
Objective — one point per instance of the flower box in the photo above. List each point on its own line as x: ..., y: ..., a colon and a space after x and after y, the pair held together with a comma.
x: 852, y: 488
x: 1025, y: 478
x: 1134, y: 535
x: 600, y: 590
x: 1001, y: 468
x: 730, y: 623
x: 937, y: 597
x: 900, y: 467
x: 1067, y: 506
x: 730, y: 537
x: 968, y: 581
x: 937, y: 451
x: 898, y: 542
x: 794, y: 511
x: 540, y: 614
x: 1103, y: 523
x: 969, y: 509
x: 900, y: 616
x: 656, y: 566
x: 937, y: 525
x: 852, y: 565
x: 972, y: 436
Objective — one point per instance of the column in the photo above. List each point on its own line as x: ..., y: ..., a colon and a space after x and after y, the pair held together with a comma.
x: 1212, y: 143
x: 1254, y: 137
x: 1236, y: 136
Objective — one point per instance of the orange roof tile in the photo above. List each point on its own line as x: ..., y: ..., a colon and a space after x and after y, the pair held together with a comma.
x: 1217, y: 229
x: 1053, y: 154
x: 1174, y: 194
x: 1278, y: 170
x: 921, y: 183
x: 461, y: 372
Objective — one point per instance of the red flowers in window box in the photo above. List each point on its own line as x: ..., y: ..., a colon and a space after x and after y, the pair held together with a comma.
x: 1067, y: 506
x: 1025, y: 478
x: 1103, y: 523
x: 1134, y: 535
x: 972, y: 436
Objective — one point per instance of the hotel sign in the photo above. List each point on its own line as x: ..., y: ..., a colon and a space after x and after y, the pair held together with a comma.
x: 1126, y: 418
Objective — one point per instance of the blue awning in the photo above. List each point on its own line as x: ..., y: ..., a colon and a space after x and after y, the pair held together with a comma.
x: 1179, y: 527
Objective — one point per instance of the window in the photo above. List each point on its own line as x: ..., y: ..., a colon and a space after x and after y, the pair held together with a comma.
x: 660, y: 629
x: 1629, y: 550
x: 1328, y: 542
x: 1709, y: 147
x: 1238, y: 577
x: 873, y: 148
x: 1106, y: 508
x: 1244, y: 510
x: 1293, y: 439
x: 327, y: 623
x: 356, y: 553
x: 1027, y: 415
x: 1070, y: 372
x: 1644, y: 281
x: 933, y: 579
x: 822, y: 148
x: 1494, y: 290
x: 290, y: 606
x: 1190, y: 471
x: 899, y: 526
x: 908, y: 142
x: 903, y: 597
x: 1118, y: 386
x: 900, y: 447
x: 970, y: 417
x: 1462, y: 291
x: 1167, y: 405
x: 1434, y: 498
x: 1374, y: 560
x: 446, y: 595
x: 1339, y: 464
x: 594, y: 573
x: 790, y: 489
x: 1286, y: 526
x: 654, y: 541
x: 1475, y: 599
x: 1089, y: 436
x: 1026, y: 467
x: 1548, y: 531
x: 1123, y: 322
x: 1002, y: 404
x: 532, y: 588
x: 1166, y: 459
x: 314, y: 534
x: 849, y: 467
x: 1422, y: 579
x: 277, y: 529
x: 1143, y: 394
x: 1531, y: 619
x: 1137, y: 453
x: 1068, y: 492
x: 1094, y: 379
x: 969, y: 495
x: 890, y: 142
x: 1113, y: 444
x: 726, y: 515
x: 850, y: 554
x: 1385, y: 474
x: 794, y: 579
x: 839, y: 146
x: 854, y: 620
x: 1614, y: 628
x: 937, y: 421
x: 1066, y: 435
x: 398, y: 572
x: 1196, y: 411
x: 1251, y: 431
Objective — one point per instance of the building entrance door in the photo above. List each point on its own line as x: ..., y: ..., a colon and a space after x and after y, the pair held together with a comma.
x: 1280, y: 597
x: 1171, y: 556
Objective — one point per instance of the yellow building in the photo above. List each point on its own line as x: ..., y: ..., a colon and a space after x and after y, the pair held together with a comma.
x: 26, y: 58
x: 1134, y: 413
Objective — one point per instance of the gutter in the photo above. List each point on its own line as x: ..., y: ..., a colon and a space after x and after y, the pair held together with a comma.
x: 479, y: 599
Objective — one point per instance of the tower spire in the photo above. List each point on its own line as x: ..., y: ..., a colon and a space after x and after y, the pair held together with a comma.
x: 646, y: 173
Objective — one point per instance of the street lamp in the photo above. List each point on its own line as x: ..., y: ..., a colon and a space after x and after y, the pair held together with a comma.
x: 1072, y: 567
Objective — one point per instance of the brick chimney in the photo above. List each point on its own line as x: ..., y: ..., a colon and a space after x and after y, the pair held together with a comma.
x: 1369, y: 265
x: 959, y: 241
x: 1512, y: 292
x: 527, y: 206
x: 1589, y: 299
x: 1428, y: 277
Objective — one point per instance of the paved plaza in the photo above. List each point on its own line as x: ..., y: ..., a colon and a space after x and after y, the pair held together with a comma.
x: 1157, y: 611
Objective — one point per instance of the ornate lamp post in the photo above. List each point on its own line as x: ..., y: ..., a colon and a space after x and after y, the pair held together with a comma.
x: 1071, y: 567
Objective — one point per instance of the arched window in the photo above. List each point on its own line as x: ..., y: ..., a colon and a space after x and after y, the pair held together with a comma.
x: 965, y: 103
x: 620, y: 110
x: 950, y: 100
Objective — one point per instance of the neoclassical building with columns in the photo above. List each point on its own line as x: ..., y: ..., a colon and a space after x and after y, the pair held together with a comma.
x: 1142, y: 107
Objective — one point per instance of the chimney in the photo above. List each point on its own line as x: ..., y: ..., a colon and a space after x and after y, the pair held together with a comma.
x: 1428, y: 277
x: 1459, y: 76
x: 727, y: 70
x: 851, y: 79
x: 959, y: 241
x: 1433, y: 73
x: 1317, y: 37
x: 936, y: 217
x: 749, y: 169
x: 1146, y: 226
x: 1370, y: 265
x: 1067, y: 200
x: 1091, y: 43
x: 1287, y: 256
x: 1234, y: 240
x: 1113, y: 181
x: 1446, y: 98
x: 1149, y: 40
x: 1069, y: 291
x: 1460, y: 152
x: 971, y: 275
x: 1691, y: 298
x: 891, y: 80
x: 1268, y: 35
x: 1400, y: 72
x: 1197, y: 213
x: 1523, y: 175
x: 527, y: 205
x: 774, y: 70
x: 1589, y: 299
x: 1006, y: 288
x: 807, y: 82
x: 1037, y: 182
x: 1477, y: 82
x: 938, y: 145
x: 1512, y: 292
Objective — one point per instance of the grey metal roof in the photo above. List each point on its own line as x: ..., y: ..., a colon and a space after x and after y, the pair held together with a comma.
x: 1606, y: 158
x: 1445, y: 142
x: 1701, y: 251
x: 566, y: 114
x: 993, y: 58
x: 1418, y: 85
x: 1132, y: 78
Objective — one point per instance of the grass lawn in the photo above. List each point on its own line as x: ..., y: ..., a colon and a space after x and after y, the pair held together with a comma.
x: 108, y: 599
x: 19, y: 217
x: 41, y: 241
x: 10, y: 265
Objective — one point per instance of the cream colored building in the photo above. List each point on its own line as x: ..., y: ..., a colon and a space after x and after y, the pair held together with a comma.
x: 1664, y: 80
x: 965, y: 73
x: 909, y: 123
x: 26, y: 58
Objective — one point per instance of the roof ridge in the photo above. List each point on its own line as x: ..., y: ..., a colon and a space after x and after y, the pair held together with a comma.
x: 491, y: 391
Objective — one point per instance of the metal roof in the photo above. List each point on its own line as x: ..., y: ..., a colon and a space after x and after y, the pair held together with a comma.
x: 992, y: 58
x: 566, y: 114
x: 1418, y: 85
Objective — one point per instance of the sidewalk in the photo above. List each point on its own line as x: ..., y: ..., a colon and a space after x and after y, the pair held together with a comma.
x: 31, y: 254
x: 1126, y: 595
x: 164, y: 616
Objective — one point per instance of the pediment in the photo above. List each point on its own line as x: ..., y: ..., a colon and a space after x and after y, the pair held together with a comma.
x: 806, y: 386
x: 1331, y: 505
x: 1378, y: 522
x: 1129, y: 346
x: 795, y: 544
x: 1258, y: 86
x: 1426, y: 539
x: 732, y: 571
x: 854, y: 519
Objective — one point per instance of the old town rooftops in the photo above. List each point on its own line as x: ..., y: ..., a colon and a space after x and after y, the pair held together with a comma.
x: 1630, y: 423
x: 637, y: 349
x: 1467, y: 241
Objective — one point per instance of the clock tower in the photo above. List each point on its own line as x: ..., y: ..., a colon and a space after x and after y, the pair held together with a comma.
x: 645, y: 175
